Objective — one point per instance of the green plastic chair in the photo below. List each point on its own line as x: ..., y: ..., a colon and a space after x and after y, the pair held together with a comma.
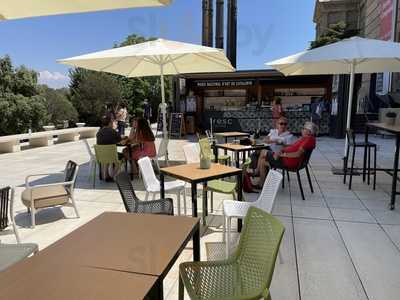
x: 223, y: 186
x: 206, y: 150
x: 247, y: 274
x: 106, y: 154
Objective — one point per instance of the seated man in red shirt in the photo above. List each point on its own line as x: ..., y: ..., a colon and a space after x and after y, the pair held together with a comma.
x: 291, y: 156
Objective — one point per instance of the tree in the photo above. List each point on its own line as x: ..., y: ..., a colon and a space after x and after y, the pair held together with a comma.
x: 21, y: 108
x: 91, y: 91
x: 59, y: 108
x: 334, y: 33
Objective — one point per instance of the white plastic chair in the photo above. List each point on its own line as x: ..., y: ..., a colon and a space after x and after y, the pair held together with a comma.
x: 7, y: 203
x: 161, y: 152
x: 238, y: 209
x: 152, y: 184
x: 92, y: 162
x: 192, y: 153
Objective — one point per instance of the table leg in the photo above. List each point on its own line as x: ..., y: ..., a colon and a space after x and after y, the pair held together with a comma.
x: 194, y: 199
x: 237, y: 159
x: 395, y: 171
x: 157, y: 292
x: 244, y: 157
x: 162, y: 188
x: 226, y: 142
x: 239, y: 197
x: 215, y: 154
x: 205, y: 203
x: 196, y: 244
x: 365, y: 154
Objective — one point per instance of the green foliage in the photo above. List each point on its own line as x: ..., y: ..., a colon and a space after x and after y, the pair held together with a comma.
x: 19, y: 113
x: 21, y: 107
x: 90, y: 91
x: 59, y: 108
x: 334, y: 33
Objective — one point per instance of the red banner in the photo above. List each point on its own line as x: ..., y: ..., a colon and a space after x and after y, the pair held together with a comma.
x: 386, y: 20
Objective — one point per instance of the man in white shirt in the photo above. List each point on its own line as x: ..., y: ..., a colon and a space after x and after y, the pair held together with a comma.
x: 277, y: 139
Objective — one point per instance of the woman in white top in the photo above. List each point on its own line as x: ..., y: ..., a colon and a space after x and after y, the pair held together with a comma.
x: 277, y: 139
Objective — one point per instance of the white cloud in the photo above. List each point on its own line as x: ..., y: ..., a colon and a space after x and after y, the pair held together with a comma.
x: 53, y: 79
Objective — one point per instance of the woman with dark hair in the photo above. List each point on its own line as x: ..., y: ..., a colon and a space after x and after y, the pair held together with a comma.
x: 142, y: 139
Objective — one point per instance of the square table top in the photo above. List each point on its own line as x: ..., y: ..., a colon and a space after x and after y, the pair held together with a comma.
x: 36, y: 278
x: 139, y: 243
x: 231, y: 134
x: 238, y: 147
x: 193, y: 173
x: 383, y: 126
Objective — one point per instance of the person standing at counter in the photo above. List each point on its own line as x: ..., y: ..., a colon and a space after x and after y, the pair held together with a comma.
x: 276, y: 110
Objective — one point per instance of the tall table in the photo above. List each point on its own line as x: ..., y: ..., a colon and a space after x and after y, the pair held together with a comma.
x: 232, y: 134
x: 236, y: 148
x: 192, y: 174
x: 395, y: 129
x: 114, y: 256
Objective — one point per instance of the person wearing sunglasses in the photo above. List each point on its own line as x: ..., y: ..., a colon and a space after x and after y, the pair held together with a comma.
x: 290, y: 156
x: 276, y: 139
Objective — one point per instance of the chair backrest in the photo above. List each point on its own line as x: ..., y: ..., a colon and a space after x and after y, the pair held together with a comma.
x: 149, y: 177
x: 89, y: 149
x: 209, y: 135
x: 257, y: 251
x: 71, y: 172
x: 127, y: 193
x: 306, y: 159
x: 205, y: 148
x: 269, y: 191
x: 106, y: 154
x: 192, y: 153
x: 163, y: 148
x: 4, y: 203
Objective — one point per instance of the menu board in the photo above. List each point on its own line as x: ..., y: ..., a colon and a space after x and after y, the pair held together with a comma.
x: 176, y: 127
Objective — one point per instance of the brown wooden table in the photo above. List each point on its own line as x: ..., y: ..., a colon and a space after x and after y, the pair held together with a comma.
x: 192, y: 174
x: 114, y: 256
x: 237, y: 149
x: 395, y: 129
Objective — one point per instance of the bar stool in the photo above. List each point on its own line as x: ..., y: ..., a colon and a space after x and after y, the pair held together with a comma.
x: 367, y: 151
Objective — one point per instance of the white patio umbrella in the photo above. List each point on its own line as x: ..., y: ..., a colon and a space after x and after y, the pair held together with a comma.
x: 155, y: 58
x: 15, y: 9
x: 349, y: 56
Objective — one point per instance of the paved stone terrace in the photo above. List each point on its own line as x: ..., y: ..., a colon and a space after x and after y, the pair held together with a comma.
x: 339, y: 244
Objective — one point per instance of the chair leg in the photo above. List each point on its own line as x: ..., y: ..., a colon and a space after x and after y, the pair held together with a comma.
x: 346, y: 160
x: 184, y: 201
x: 374, y: 168
x: 288, y: 176
x: 300, y: 185
x: 74, y: 205
x: 369, y: 165
x: 283, y: 179
x: 146, y: 197
x: 16, y: 231
x: 181, y: 292
x: 352, y: 167
x: 228, y: 236
x: 33, y: 211
x: 224, y: 229
x: 309, y: 180
x: 94, y: 175
x: 212, y: 201
x: 178, y: 199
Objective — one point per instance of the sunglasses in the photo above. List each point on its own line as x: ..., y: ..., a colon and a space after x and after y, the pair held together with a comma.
x: 282, y: 123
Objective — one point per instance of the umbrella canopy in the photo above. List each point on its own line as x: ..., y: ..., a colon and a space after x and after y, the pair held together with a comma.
x: 155, y: 58
x: 15, y: 9
x: 367, y: 55
x: 349, y: 56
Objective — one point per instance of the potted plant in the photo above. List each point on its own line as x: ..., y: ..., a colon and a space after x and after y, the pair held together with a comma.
x: 391, y: 118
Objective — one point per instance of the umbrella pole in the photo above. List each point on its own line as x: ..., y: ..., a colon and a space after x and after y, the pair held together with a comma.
x: 349, y: 105
x: 163, y: 105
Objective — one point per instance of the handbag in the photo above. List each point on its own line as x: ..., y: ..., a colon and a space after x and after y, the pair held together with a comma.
x: 247, y: 185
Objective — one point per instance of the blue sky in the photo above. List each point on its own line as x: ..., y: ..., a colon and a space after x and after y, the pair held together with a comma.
x: 267, y: 29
